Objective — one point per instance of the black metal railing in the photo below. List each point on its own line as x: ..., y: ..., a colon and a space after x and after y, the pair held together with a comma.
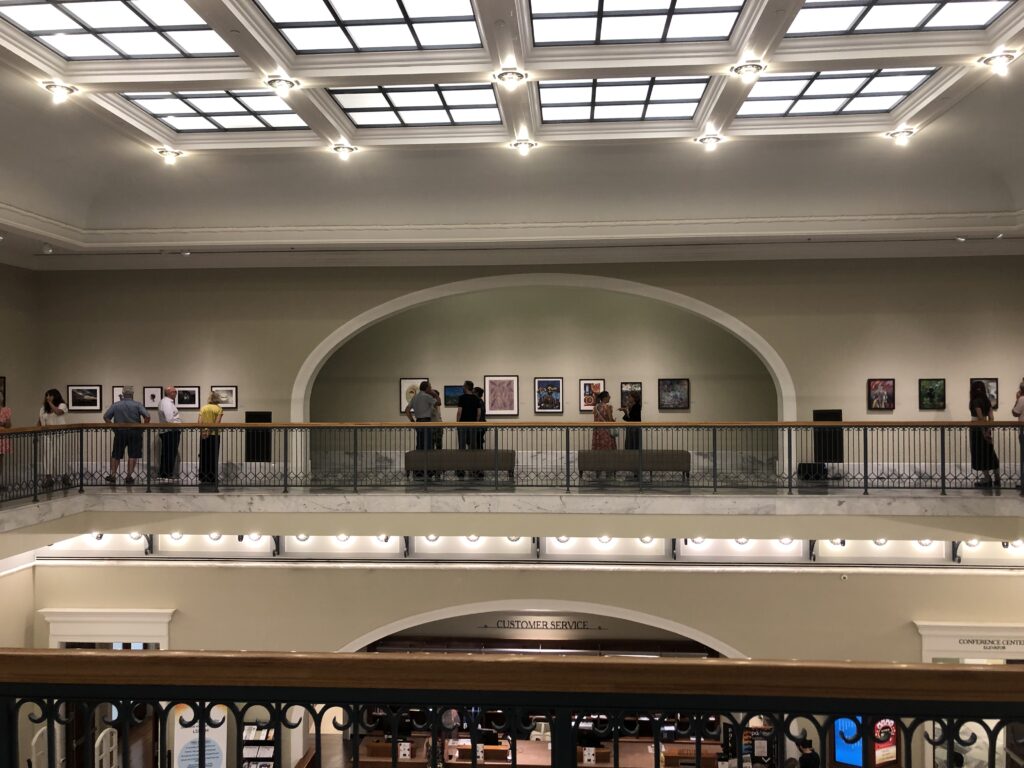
x: 158, y: 710
x: 684, y: 457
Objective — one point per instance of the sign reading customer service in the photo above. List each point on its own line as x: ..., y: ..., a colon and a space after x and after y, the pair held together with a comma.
x: 548, y: 625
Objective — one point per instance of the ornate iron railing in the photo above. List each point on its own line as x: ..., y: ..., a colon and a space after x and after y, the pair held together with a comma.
x: 684, y: 457
x: 91, y: 709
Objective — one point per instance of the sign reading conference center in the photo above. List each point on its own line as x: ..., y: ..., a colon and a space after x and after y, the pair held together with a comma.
x: 990, y: 643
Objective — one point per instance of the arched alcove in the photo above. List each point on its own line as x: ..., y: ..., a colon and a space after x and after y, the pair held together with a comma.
x: 546, y: 331
x: 777, y: 370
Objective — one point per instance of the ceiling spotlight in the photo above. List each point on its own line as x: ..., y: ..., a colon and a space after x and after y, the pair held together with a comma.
x: 432, y: 537
x: 562, y: 539
x: 748, y: 71
x: 47, y: 249
x: 343, y: 537
x: 215, y: 536
x: 925, y: 542
x: 972, y: 542
x: 881, y: 542
x: 646, y: 539
x: 473, y: 538
x: 1000, y: 62
x: 510, y: 77
x: 98, y: 535
x: 837, y: 542
x: 169, y: 155
x: 523, y: 146
x: 742, y: 541
x: 134, y: 535
x: 901, y: 135
x: 785, y: 541
x: 1000, y: 236
x: 514, y: 539
x: 186, y: 253
x: 60, y: 92
x: 605, y: 539
x: 1017, y: 543
x: 709, y: 141
x: 697, y: 539
x: 383, y: 538
x: 961, y: 239
x: 255, y: 536
x: 344, y: 151
x: 176, y: 535
x: 282, y: 84
x: 302, y: 537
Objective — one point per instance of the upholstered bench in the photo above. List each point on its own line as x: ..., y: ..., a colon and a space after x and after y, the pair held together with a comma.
x: 634, y: 461
x: 453, y: 460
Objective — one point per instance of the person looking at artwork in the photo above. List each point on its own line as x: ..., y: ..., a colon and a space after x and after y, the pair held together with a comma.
x: 1018, y: 411
x: 126, y: 411
x: 420, y: 409
x: 479, y: 432
x: 470, y: 411
x: 167, y: 413
x: 983, y: 453
x: 632, y: 410
x: 210, y: 415
x: 603, y: 439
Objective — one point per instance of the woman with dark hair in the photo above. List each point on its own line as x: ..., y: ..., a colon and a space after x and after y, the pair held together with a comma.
x: 54, y: 409
x: 632, y: 410
x: 603, y: 439
x: 983, y: 453
x: 54, y: 448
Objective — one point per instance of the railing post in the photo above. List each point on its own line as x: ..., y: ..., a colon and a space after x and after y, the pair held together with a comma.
x: 563, y: 745
x: 639, y: 458
x: 81, y: 459
x: 789, y: 460
x: 865, y: 457
x: 8, y: 734
x: 714, y: 460
x: 568, y: 472
x: 149, y: 466
x: 942, y: 458
x: 497, y: 440
x: 355, y: 459
x: 287, y: 439
x: 35, y: 466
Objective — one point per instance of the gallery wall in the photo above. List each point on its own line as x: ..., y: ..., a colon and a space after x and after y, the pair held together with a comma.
x: 763, y: 613
x: 834, y: 323
x: 22, y: 343
x: 547, y: 331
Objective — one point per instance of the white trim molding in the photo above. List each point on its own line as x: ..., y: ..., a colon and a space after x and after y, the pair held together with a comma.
x: 953, y: 640
x: 109, y: 625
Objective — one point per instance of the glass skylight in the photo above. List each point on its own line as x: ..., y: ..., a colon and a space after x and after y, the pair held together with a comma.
x: 832, y: 93
x: 333, y: 26
x: 842, y: 17
x: 412, y: 105
x: 116, y: 29
x: 612, y: 99
x: 590, y: 22
x: 249, y: 110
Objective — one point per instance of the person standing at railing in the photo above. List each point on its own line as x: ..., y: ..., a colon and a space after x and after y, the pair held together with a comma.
x: 209, y: 440
x: 419, y: 409
x: 126, y: 411
x: 1018, y: 411
x: 983, y: 452
x: 167, y: 413
x: 53, y: 413
x: 5, y: 442
x: 603, y: 439
x: 470, y: 409
x: 632, y: 411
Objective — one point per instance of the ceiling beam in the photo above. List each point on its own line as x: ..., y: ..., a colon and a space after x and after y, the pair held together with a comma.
x: 500, y: 27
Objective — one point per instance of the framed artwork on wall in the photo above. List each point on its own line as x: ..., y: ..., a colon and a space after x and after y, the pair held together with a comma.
x: 452, y: 393
x: 151, y: 396
x: 931, y: 394
x: 115, y: 392
x: 547, y: 394
x: 992, y: 389
x: 501, y: 395
x: 228, y: 394
x: 85, y: 397
x: 187, y: 398
x: 407, y: 389
x: 589, y: 390
x: 3, y: 391
x: 881, y: 394
x: 627, y: 388
x: 673, y: 394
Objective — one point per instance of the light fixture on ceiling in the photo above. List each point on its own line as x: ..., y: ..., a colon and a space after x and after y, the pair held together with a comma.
x: 383, y: 538
x: 342, y: 537
x: 510, y: 77
x: 344, y: 150
x: 1017, y: 543
x: 47, y: 249
x: 215, y: 536
x: 742, y: 541
x: 255, y: 536
x: 302, y: 536
x: 134, y: 535
x: 176, y: 535
x: 432, y: 537
x: 60, y: 92
x: 646, y: 539
x: 925, y: 542
x: 562, y: 539
x: 605, y: 539
x: 709, y: 141
x: 837, y: 542
x: 169, y: 155
x: 523, y: 146
x: 98, y: 536
x: 748, y: 71
x: 186, y: 253
x: 1000, y: 236
x: 513, y: 539
x: 697, y: 540
x: 901, y: 136
x: 282, y: 84
x: 972, y: 542
x: 961, y: 239
x: 472, y: 538
x: 999, y: 61
x: 786, y: 541
x: 881, y: 542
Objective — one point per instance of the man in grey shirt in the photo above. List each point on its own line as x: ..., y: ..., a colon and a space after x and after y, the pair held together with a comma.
x: 420, y: 408
x: 126, y: 411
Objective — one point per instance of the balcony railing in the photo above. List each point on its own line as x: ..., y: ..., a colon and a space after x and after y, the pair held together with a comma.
x: 154, y: 709
x: 775, y: 456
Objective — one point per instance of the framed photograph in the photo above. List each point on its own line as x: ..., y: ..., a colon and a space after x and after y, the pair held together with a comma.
x: 85, y: 397
x: 228, y: 394
x: 589, y: 390
x: 3, y: 391
x: 992, y: 388
x: 151, y: 396
x: 452, y: 393
x: 501, y: 395
x: 547, y: 395
x: 931, y: 394
x: 407, y: 389
x: 673, y: 394
x: 187, y: 398
x: 881, y: 394
x: 627, y: 388
x: 115, y: 392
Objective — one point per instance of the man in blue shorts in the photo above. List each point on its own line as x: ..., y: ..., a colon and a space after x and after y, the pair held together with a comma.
x: 126, y: 411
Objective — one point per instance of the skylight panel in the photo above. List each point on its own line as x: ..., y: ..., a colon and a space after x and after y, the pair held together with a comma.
x: 834, y: 86
x: 243, y: 110
x: 564, y: 95
x: 141, y: 44
x: 834, y: 93
x: 647, y: 28
x: 222, y: 104
x: 668, y: 111
x: 291, y: 11
x: 770, y: 107
x: 265, y: 103
x: 424, y: 117
x: 79, y: 46
x: 966, y: 14
x: 237, y: 122
x: 447, y: 34
x: 285, y: 121
x: 873, y: 103
x: 189, y: 123
x: 317, y: 39
x: 894, y: 17
x: 618, y: 111
x: 894, y: 84
x: 362, y: 100
x: 415, y: 98
x: 702, y: 26
x: 165, y: 106
x: 817, y: 106
x: 821, y: 17
x: 819, y: 21
x: 487, y: 116
x: 39, y: 18
x: 563, y: 6
x: 170, y: 13
x: 678, y: 91
x: 374, y: 119
x: 622, y: 93
x: 559, y: 114
x: 469, y: 96
x: 776, y: 88
x: 201, y: 42
x: 361, y: 10
x: 413, y: 105
x: 106, y: 15
x: 572, y: 30
x: 382, y: 36
x: 636, y: 5
x: 624, y: 98
x: 427, y: 9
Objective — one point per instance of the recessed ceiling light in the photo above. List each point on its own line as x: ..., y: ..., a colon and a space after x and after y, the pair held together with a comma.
x: 901, y: 135
x: 473, y: 538
x: 961, y: 239
x: 749, y: 71
x: 282, y: 84
x: 215, y: 536
x: 562, y: 539
x: 646, y: 539
x: 523, y: 146
x: 134, y: 535
x: 1017, y: 543
x: 697, y: 539
x: 709, y: 141
x: 605, y: 539
x: 513, y: 539
x: 999, y: 61
x: 785, y: 541
x: 1000, y: 236
x: 383, y: 538
x: 881, y: 542
x: 925, y: 542
x: 47, y: 249
x: 432, y: 537
x: 176, y: 535
x: 343, y: 537
x: 302, y: 536
x: 972, y: 542
x: 510, y: 78
x: 742, y: 541
x: 60, y: 92
x: 169, y: 155
x: 837, y: 542
x: 255, y: 536
x: 97, y: 535
x: 344, y: 151
x: 186, y: 253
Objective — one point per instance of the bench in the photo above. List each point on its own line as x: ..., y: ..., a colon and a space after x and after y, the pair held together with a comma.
x: 634, y: 461
x: 454, y: 460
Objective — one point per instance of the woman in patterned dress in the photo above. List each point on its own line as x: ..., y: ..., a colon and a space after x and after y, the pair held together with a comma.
x: 603, y: 440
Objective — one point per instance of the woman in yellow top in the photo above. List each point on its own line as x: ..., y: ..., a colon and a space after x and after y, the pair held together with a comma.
x: 209, y: 440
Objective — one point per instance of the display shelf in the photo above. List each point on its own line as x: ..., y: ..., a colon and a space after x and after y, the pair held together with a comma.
x: 257, y: 746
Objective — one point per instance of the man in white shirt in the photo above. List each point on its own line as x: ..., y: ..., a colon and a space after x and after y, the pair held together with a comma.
x: 1018, y: 411
x: 169, y: 439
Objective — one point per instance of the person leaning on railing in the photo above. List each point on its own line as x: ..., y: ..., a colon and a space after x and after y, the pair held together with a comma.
x: 1018, y: 411
x: 126, y: 411
x: 209, y: 440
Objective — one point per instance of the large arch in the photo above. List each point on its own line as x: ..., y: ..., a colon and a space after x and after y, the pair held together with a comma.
x: 563, y: 606
x: 784, y: 387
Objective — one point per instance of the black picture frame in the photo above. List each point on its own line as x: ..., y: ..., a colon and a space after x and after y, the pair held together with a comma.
x: 881, y: 394
x: 931, y: 394
x: 627, y: 388
x: 228, y: 395
x: 548, y: 394
x: 451, y: 395
x: 85, y: 397
x: 187, y: 397
x: 991, y: 389
x: 151, y: 397
x: 589, y: 390
x: 674, y: 394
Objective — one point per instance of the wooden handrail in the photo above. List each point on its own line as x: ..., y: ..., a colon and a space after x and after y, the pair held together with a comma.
x: 517, y: 674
